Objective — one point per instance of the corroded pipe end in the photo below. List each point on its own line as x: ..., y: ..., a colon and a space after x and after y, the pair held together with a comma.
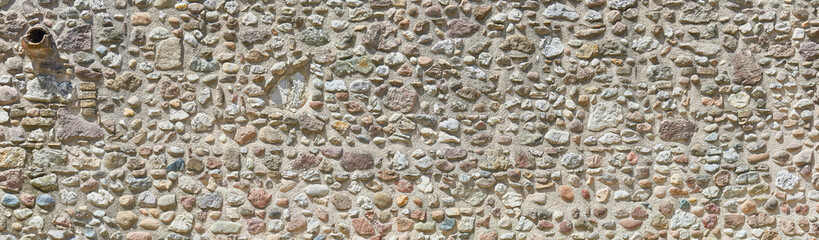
x: 38, y: 43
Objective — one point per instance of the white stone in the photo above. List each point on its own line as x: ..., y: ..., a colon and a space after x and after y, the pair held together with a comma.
x: 449, y: 125
x: 604, y: 115
x: 557, y: 137
x: 786, y: 180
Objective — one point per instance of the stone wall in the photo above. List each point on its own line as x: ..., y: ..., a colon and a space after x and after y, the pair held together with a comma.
x: 408, y: 119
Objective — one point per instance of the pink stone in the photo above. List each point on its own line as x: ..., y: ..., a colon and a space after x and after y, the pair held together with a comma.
x: 259, y: 198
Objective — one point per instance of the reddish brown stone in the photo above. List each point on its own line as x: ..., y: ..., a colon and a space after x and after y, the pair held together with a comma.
x: 631, y: 223
x: 403, y: 186
x: 712, y: 208
x: 676, y: 130
x: 722, y: 178
x: 382, y: 36
x: 444, y: 165
x: 77, y: 38
x: 27, y: 199
x: 809, y: 50
x: 491, y: 235
x: 310, y: 124
x: 401, y: 99
x: 356, y: 161
x: 455, y: 154
x: 353, y: 107
x: 566, y: 193
x: 187, y: 202
x: 255, y: 226
x: 666, y: 208
x: 760, y: 220
x: 746, y: 70
x: 167, y: 88
x: 245, y: 134
x: 259, y: 198
x: 12, y: 180
x: 639, y: 213
x: 296, y: 224
x: 87, y: 74
x: 524, y: 160
x: 403, y: 224
x: 332, y: 152
x: 138, y: 236
x: 709, y: 221
x: 387, y: 175
x: 801, y: 209
x: 461, y: 28
x: 735, y: 220
x: 565, y: 227
x: 543, y: 224
x: 363, y: 227
x: 600, y: 212
x: 89, y: 185
x: 305, y: 161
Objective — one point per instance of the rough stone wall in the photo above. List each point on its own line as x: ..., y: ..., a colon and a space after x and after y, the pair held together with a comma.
x: 408, y: 119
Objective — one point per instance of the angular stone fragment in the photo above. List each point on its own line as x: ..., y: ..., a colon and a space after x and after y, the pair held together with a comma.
x: 360, y: 65
x: 382, y: 36
x: 125, y: 81
x: 45, y: 183
x: 78, y: 38
x: 561, y: 12
x: 401, y: 99
x: 551, y: 47
x: 340, y: 201
x: 87, y: 74
x: 245, y: 134
x: 356, y: 161
x: 310, y: 124
x: 722, y: 178
x: 269, y: 135
x: 785, y: 180
x: 252, y: 36
x: 110, y: 35
x: 12, y: 157
x: 12, y: 29
x: 557, y: 137
x: 809, y: 50
x: 46, y: 88
x: 363, y: 227
x: 11, y: 181
x: 259, y: 198
x: 169, y: 54
x: 182, y: 224
x: 305, y: 161
x: 314, y: 37
x: 604, y: 115
x: 494, y: 160
x: 676, y: 130
x: 693, y: 13
x: 210, y: 201
x: 519, y: 43
x: 461, y: 28
x: 746, y: 70
x: 621, y: 4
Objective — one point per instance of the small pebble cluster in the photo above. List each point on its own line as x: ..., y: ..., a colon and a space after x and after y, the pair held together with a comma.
x: 408, y: 119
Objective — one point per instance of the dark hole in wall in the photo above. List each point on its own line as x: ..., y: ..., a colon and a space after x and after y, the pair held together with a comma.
x: 36, y: 35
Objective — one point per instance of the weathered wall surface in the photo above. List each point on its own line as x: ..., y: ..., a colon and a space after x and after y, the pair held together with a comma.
x: 408, y: 119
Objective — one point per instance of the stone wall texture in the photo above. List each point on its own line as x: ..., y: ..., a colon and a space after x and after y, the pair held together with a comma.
x: 408, y: 119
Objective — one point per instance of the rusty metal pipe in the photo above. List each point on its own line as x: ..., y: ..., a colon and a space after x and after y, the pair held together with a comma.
x: 38, y: 43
